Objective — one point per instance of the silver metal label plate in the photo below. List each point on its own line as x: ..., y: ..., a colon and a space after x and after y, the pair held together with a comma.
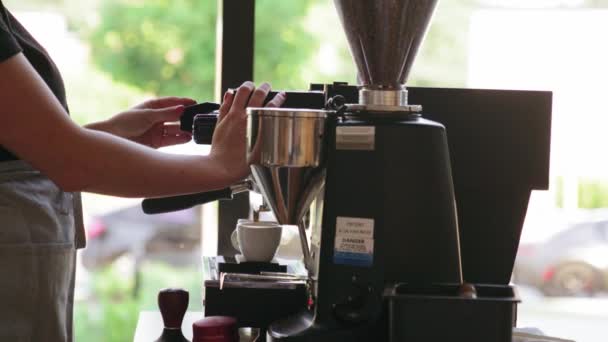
x: 361, y: 138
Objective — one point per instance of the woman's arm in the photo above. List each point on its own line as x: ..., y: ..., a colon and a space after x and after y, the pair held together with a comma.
x: 36, y: 128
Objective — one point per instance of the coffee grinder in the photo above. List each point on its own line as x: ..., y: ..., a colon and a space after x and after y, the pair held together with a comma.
x: 373, y: 177
x: 386, y: 214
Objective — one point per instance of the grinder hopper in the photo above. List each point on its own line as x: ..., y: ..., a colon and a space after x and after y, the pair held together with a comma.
x: 384, y: 37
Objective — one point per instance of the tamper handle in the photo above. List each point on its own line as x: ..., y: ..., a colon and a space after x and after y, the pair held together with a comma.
x: 173, y: 304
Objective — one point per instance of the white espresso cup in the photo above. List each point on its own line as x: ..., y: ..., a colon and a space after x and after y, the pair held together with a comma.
x: 257, y: 241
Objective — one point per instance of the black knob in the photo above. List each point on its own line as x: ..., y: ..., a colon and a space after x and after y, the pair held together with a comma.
x: 187, y: 118
x: 203, y: 128
x: 354, y: 308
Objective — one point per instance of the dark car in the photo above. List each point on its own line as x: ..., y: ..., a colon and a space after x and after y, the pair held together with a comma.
x: 172, y: 237
x: 573, y: 262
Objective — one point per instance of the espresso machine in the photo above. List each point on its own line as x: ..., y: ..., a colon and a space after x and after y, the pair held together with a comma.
x: 406, y: 235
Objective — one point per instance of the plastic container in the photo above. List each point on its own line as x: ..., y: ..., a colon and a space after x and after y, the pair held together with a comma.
x: 437, y: 313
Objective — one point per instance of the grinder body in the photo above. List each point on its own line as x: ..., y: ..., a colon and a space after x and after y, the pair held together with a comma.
x: 387, y: 215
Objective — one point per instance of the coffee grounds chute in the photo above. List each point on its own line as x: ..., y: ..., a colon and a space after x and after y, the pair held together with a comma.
x: 286, y: 149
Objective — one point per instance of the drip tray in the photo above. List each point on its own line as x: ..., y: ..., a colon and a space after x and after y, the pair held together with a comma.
x: 436, y: 313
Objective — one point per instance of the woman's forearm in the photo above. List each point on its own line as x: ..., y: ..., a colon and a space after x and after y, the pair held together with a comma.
x: 102, y: 126
x: 36, y: 128
x: 103, y: 163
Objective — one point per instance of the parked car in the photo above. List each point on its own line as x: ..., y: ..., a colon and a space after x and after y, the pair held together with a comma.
x: 172, y: 237
x: 573, y: 262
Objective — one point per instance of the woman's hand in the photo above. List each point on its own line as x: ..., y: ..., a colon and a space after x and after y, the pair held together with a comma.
x: 151, y: 123
x: 228, y: 148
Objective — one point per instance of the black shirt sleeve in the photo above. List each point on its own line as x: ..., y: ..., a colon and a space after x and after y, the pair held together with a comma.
x: 8, y: 45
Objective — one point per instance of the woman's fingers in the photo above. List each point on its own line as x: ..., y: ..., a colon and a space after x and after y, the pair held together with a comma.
x: 168, y: 114
x: 277, y: 100
x: 169, y: 134
x: 161, y: 135
x: 248, y: 96
x: 226, y: 104
x: 171, y: 140
x: 241, y: 99
x: 164, y: 102
x: 259, y: 95
x: 171, y: 130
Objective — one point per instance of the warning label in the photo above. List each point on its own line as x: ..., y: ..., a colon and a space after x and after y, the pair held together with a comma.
x: 354, y: 244
x: 355, y: 227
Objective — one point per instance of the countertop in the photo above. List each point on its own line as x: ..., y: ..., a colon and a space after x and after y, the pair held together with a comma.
x: 150, y: 326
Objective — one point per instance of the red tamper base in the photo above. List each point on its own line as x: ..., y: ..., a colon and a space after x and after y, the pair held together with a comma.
x: 215, y: 329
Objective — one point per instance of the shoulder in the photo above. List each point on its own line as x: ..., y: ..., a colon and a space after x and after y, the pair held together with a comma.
x: 4, y: 18
x: 8, y: 43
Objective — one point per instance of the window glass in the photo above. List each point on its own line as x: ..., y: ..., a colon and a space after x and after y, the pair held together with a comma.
x: 498, y: 44
x: 114, y: 53
x: 602, y: 230
x: 578, y: 234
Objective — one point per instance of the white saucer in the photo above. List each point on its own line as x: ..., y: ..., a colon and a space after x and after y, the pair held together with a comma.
x: 241, y: 258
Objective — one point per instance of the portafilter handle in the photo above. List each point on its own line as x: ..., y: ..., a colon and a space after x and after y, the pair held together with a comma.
x: 175, y: 203
x: 187, y: 119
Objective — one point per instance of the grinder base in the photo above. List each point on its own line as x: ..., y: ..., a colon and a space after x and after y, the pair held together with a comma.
x: 253, y: 304
x: 437, y: 313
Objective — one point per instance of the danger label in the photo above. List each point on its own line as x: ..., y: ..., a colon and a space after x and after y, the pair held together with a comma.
x: 354, y: 243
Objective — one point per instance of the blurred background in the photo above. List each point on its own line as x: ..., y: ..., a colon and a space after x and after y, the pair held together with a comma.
x: 116, y: 53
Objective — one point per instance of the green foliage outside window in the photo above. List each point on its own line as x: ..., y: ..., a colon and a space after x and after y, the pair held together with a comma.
x: 111, y: 312
x: 164, y: 47
x: 168, y: 47
x: 592, y: 194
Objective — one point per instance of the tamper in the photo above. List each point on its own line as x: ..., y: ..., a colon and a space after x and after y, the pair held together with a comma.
x: 173, y: 304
